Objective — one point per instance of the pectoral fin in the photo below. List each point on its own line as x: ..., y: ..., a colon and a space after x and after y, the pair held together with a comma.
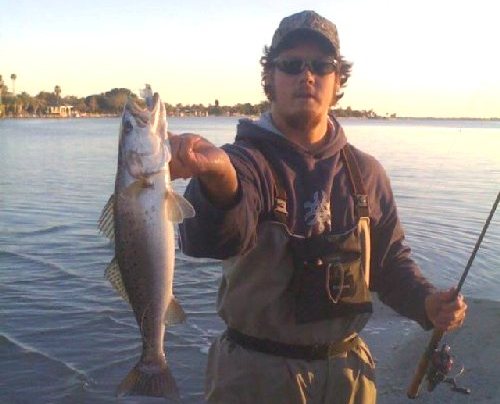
x: 113, y: 275
x: 175, y: 313
x: 178, y: 208
x: 106, y: 221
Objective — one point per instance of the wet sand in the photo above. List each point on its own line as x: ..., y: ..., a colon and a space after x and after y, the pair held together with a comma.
x: 475, y: 346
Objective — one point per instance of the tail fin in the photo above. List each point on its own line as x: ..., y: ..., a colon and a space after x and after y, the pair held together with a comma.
x: 149, y: 380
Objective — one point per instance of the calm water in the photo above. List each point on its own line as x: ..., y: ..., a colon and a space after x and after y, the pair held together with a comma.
x: 65, y: 336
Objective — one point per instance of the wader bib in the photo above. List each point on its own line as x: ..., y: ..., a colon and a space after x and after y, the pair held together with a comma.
x: 333, y: 270
x: 331, y: 275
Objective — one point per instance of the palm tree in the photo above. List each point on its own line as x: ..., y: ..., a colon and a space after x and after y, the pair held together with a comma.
x: 24, y: 102
x: 57, y: 91
x: 13, y: 77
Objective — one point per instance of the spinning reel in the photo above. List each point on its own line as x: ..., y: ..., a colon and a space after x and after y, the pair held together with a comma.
x: 442, y: 362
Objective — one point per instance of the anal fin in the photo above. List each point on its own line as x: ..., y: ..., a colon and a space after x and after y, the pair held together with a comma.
x: 175, y: 313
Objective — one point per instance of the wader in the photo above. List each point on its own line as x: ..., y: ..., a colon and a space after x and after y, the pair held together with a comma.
x: 298, y: 344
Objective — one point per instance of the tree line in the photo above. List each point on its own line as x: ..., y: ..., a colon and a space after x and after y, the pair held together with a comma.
x: 112, y: 102
x: 108, y: 103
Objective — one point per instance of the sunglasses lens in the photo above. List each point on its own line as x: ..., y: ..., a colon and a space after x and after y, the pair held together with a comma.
x: 322, y: 67
x: 297, y: 66
x: 291, y: 66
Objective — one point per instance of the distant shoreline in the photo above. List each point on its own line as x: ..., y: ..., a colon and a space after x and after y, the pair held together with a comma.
x: 380, y: 118
x: 50, y: 105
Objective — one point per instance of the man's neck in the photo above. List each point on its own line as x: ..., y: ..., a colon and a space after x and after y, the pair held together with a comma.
x: 310, y: 136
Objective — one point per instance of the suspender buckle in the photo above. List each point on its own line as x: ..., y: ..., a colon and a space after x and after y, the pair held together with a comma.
x: 362, y: 209
x: 362, y: 200
x: 280, y: 206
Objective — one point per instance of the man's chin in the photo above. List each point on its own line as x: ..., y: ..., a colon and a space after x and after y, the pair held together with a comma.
x: 304, y: 119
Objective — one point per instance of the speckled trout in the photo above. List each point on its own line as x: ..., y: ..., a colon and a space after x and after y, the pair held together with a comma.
x: 140, y: 217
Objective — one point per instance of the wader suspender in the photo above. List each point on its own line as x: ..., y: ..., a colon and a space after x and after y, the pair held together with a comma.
x: 360, y: 197
x: 279, y: 209
x: 356, y: 182
x: 362, y: 209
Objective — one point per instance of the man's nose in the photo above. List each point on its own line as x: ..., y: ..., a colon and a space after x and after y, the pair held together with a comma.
x: 307, y: 75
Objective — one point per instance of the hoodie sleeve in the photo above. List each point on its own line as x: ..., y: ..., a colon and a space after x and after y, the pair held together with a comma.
x: 395, y: 276
x: 223, y: 233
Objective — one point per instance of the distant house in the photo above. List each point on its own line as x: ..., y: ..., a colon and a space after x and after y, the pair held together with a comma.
x: 57, y: 111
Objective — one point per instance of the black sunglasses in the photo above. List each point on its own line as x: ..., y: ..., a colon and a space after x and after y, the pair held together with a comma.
x: 321, y: 67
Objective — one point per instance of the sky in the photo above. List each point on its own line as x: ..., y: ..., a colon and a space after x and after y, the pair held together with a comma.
x: 422, y: 58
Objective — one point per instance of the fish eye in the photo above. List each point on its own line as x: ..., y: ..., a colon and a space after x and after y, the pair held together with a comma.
x: 127, y: 126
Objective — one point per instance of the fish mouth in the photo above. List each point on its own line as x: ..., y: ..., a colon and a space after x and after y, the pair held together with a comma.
x: 140, y: 116
x: 154, y: 104
x: 132, y: 106
x: 143, y: 116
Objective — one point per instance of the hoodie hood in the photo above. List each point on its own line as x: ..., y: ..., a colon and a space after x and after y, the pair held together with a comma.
x: 264, y: 131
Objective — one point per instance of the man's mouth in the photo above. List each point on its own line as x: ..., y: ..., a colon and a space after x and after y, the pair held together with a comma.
x: 305, y: 94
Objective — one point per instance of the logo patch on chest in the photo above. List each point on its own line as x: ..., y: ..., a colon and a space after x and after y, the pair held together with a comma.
x: 317, y: 212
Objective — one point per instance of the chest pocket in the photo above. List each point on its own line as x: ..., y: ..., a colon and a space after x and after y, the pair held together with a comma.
x: 329, y: 277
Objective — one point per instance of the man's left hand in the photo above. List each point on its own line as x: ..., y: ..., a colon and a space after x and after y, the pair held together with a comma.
x: 446, y: 314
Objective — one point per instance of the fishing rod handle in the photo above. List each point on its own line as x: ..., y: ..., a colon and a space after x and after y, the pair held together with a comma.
x: 423, y: 364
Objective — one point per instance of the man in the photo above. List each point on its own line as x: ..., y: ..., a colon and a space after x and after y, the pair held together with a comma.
x: 306, y: 225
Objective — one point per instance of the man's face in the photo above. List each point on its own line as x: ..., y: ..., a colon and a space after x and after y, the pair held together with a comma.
x: 302, y: 99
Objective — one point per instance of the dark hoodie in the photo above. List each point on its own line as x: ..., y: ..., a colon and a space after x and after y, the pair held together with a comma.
x: 319, y: 199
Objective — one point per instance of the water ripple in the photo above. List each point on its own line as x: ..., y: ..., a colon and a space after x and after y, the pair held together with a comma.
x: 10, y: 345
x: 38, y: 260
x: 45, y: 231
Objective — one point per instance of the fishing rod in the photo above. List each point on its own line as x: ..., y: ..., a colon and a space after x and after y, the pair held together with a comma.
x: 423, y: 364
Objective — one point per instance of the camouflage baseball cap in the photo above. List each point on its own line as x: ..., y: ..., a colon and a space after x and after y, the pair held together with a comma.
x: 306, y: 21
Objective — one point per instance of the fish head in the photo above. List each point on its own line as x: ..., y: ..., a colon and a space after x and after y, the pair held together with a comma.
x: 143, y: 146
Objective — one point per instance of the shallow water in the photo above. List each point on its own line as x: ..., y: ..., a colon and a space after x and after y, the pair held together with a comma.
x: 65, y: 336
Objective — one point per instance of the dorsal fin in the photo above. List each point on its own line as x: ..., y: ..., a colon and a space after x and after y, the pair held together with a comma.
x: 106, y: 221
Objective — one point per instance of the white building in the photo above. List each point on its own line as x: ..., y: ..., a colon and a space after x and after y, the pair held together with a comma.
x: 59, y: 110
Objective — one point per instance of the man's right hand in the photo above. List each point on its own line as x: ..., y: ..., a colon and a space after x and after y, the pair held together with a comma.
x: 194, y: 156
